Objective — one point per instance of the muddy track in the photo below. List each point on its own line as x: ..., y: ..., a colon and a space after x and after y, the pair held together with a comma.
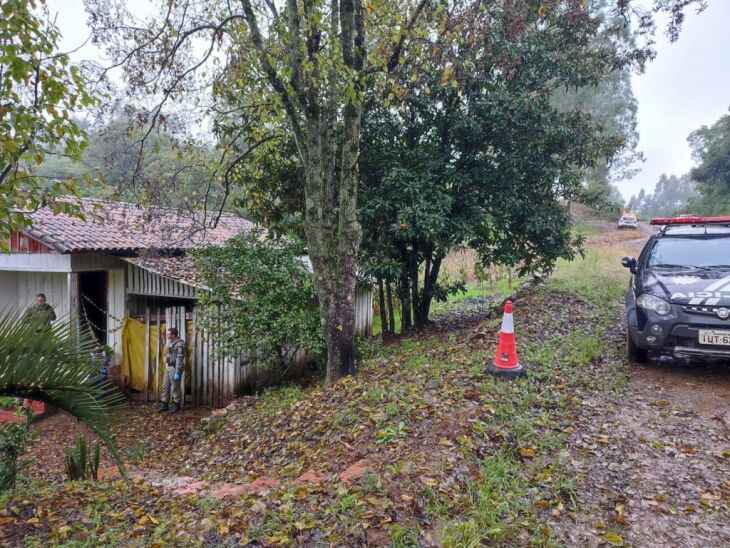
x: 653, y: 464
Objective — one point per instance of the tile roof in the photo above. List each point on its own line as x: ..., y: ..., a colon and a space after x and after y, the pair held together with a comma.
x: 118, y: 227
x: 180, y: 267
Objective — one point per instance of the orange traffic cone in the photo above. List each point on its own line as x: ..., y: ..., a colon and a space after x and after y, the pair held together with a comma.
x: 505, y: 363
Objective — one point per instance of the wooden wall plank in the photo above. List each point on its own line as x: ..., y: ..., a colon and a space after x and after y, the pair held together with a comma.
x: 147, y: 354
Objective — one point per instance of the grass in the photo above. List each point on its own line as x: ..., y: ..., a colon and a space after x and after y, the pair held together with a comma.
x: 598, y: 277
x: 499, y: 289
x: 583, y: 228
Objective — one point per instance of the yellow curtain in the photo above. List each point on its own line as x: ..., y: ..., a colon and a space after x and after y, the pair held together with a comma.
x: 133, y: 337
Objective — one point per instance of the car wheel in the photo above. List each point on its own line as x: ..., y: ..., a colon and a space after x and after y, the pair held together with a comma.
x: 633, y: 352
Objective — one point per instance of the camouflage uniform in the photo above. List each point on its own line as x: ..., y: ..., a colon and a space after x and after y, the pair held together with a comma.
x: 43, y: 314
x: 175, y: 361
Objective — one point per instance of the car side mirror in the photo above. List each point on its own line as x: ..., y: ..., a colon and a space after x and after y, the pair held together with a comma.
x: 630, y: 263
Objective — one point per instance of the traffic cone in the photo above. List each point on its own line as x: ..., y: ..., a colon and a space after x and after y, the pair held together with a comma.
x: 505, y: 363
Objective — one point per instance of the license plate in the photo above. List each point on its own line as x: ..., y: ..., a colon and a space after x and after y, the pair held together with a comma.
x: 715, y: 337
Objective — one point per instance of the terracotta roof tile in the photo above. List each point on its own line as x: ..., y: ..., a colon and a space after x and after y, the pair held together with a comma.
x: 127, y: 228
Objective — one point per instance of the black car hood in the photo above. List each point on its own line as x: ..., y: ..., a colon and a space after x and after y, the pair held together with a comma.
x: 682, y: 287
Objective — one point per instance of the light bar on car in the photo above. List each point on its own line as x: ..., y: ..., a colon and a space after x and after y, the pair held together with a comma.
x: 690, y: 221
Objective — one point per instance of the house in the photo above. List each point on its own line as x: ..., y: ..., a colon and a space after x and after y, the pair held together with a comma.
x: 124, y: 272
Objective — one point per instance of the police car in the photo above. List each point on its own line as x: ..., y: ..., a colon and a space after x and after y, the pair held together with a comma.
x: 678, y: 302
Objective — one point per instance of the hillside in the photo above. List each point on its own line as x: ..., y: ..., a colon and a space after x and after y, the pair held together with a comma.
x: 421, y: 448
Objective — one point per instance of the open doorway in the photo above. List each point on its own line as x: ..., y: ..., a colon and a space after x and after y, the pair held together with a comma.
x: 92, y: 303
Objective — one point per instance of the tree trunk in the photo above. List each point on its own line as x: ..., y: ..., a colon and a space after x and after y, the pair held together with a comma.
x: 405, y: 298
x: 340, y: 338
x: 391, y: 314
x: 413, y: 275
x: 430, y: 279
x: 381, y: 304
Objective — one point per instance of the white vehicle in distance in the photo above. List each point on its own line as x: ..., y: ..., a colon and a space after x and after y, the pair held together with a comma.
x: 627, y: 221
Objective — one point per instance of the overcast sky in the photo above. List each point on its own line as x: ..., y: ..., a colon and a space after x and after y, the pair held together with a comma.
x: 685, y: 87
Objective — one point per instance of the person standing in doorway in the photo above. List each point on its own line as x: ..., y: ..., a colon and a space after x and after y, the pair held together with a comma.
x: 40, y: 314
x: 175, y: 362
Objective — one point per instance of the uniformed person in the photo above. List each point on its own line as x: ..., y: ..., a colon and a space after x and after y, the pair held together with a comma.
x: 41, y: 312
x: 175, y: 362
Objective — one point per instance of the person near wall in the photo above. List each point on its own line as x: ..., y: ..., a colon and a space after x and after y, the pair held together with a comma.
x: 40, y: 313
x: 175, y: 365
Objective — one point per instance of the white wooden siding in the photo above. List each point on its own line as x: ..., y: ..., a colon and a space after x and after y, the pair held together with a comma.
x: 35, y: 262
x: 116, y: 311
x: 53, y: 284
x: 144, y: 282
x: 8, y: 290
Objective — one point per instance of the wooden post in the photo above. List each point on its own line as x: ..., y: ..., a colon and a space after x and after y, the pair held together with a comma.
x: 157, y: 356
x: 72, y: 279
x: 193, y: 355
x: 183, y: 332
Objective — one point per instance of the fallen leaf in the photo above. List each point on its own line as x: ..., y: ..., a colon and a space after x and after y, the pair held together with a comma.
x: 614, y: 539
x: 528, y: 452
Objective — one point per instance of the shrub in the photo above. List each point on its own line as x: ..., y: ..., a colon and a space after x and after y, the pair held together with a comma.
x: 260, y: 301
x: 14, y: 440
x: 79, y: 463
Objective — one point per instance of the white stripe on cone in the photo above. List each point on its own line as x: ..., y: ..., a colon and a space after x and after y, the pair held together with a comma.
x: 508, y: 324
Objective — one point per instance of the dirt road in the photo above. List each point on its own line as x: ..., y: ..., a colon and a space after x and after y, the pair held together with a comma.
x: 654, y: 464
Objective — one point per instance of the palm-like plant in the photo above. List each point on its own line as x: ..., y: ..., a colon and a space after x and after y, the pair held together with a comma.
x: 57, y: 365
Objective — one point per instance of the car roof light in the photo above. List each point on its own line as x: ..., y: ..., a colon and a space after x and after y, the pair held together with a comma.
x: 690, y: 221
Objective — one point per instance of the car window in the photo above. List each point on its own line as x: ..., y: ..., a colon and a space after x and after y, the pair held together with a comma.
x: 690, y: 252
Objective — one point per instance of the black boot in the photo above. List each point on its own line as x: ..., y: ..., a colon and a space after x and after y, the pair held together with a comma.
x: 174, y: 409
x: 164, y: 408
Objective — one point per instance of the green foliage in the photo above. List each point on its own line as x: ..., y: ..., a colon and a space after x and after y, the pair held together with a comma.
x: 79, y: 463
x: 170, y: 173
x: 39, y: 91
x: 57, y: 366
x: 261, y: 291
x: 466, y: 146
x: 711, y: 150
x: 14, y: 440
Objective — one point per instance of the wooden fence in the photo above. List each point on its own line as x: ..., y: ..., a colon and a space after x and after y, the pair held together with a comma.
x: 209, y: 379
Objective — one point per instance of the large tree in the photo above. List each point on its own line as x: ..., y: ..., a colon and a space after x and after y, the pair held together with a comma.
x: 711, y: 150
x: 302, y: 61
x: 39, y: 92
x: 466, y: 146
